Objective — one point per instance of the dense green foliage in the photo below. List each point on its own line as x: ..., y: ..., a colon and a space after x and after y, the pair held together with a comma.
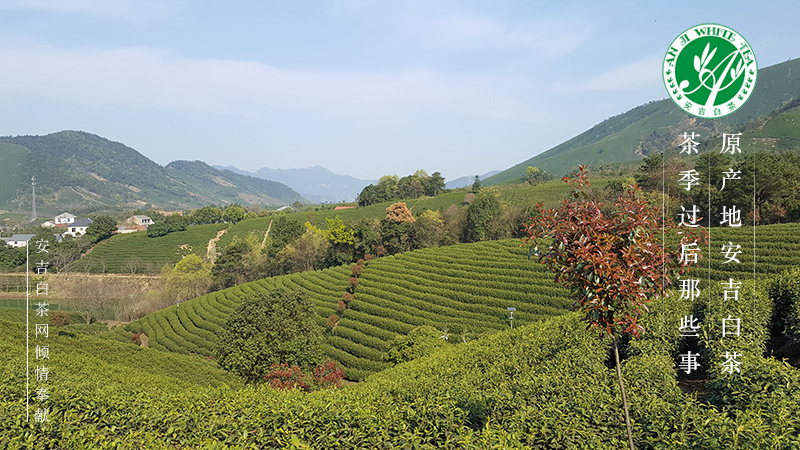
x: 391, y: 188
x: 270, y: 329
x: 419, y: 342
x: 480, y: 214
x: 170, y: 224
x: 11, y: 257
x: 102, y: 227
x: 785, y: 290
x: 543, y: 385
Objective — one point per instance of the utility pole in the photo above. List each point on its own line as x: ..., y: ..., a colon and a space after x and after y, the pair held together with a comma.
x: 33, y: 213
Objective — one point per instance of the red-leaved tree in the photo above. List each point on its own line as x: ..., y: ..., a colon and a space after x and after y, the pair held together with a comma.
x: 328, y: 375
x: 613, y: 262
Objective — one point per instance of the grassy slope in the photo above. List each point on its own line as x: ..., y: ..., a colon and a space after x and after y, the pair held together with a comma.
x: 779, y: 133
x: 617, y: 138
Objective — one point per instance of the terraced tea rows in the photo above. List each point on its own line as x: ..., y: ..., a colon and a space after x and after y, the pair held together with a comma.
x: 461, y: 290
x: 137, y: 253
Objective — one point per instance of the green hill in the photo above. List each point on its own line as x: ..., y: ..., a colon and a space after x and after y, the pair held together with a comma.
x: 656, y: 126
x: 462, y: 289
x: 79, y: 171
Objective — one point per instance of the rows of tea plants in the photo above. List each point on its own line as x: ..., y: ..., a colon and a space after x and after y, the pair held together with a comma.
x: 463, y: 291
x: 777, y: 247
x: 194, y: 325
x: 543, y: 385
x: 135, y: 252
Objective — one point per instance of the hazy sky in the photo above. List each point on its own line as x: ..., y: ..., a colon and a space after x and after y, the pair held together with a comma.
x: 361, y: 87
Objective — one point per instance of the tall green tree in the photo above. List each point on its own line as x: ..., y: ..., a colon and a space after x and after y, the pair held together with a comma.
x: 306, y: 252
x: 480, y: 214
x: 434, y: 184
x: 476, y: 185
x: 342, y: 242
x: 102, y: 227
x: 270, y: 328
x: 241, y: 261
x: 369, y: 195
x: 409, y: 187
x: 233, y: 213
x: 190, y: 278
x: 206, y: 214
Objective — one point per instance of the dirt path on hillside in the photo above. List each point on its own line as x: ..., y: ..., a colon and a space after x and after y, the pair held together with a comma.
x: 211, y: 250
x: 264, y: 241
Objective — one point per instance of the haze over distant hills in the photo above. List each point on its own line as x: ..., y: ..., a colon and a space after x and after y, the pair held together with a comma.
x: 468, y: 180
x: 82, y: 172
x: 317, y: 183
x: 657, y: 126
x: 321, y: 185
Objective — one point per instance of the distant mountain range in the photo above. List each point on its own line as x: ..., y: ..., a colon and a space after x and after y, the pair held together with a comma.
x: 321, y: 185
x: 657, y: 126
x: 81, y: 172
x: 317, y: 183
x: 468, y: 180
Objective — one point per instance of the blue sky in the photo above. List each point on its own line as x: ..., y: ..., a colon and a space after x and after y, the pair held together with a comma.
x: 362, y: 87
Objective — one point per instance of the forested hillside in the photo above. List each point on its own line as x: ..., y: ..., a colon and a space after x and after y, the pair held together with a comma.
x: 82, y: 172
x: 656, y: 126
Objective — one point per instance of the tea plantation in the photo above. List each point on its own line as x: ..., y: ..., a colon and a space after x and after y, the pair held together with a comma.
x: 137, y: 253
x: 546, y: 384
x: 463, y: 291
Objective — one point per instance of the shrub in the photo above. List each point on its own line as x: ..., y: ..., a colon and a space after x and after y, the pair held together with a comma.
x: 332, y: 320
x: 270, y: 328
x: 784, y: 290
x: 60, y: 318
x: 284, y: 377
x: 328, y: 375
x: 136, y: 338
x: 419, y: 342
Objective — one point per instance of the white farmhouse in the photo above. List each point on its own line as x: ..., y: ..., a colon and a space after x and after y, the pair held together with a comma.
x: 78, y: 227
x: 140, y: 220
x: 66, y: 218
x: 18, y: 240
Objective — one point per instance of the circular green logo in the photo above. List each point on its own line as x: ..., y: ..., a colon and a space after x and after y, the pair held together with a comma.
x: 710, y: 71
